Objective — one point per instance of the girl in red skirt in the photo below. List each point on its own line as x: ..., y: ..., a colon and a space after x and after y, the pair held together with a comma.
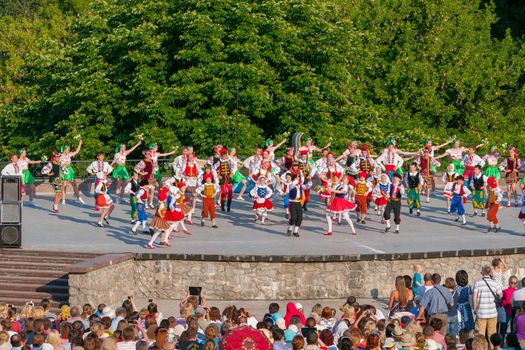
x: 159, y: 223
x: 261, y: 194
x: 339, y: 205
x: 103, y: 201
x: 380, y: 195
x: 177, y: 208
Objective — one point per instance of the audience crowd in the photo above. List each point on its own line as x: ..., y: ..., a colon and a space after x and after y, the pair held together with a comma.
x: 425, y: 311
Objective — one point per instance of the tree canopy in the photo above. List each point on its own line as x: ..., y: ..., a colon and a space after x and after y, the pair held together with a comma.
x: 200, y: 72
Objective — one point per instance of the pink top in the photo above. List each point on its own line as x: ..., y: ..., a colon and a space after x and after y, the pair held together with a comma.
x: 507, y: 300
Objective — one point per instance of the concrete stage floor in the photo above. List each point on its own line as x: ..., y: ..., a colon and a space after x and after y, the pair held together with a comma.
x: 74, y: 229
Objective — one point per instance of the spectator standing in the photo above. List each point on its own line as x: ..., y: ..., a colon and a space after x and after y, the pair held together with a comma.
x: 518, y: 297
x: 420, y: 291
x: 464, y: 292
x: 506, y: 303
x: 120, y: 314
x: 278, y: 340
x: 4, y: 341
x: 128, y: 339
x: 450, y: 284
x: 483, y: 302
x: 436, y: 302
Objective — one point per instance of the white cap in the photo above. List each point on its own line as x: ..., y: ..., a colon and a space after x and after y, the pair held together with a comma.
x: 299, y: 306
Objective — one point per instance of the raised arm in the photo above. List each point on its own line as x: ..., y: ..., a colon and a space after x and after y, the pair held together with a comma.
x: 441, y: 156
x: 279, y: 144
x: 169, y: 153
x: 133, y: 148
x: 441, y: 146
x: 78, y: 148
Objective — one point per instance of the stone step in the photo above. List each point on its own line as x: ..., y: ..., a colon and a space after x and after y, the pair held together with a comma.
x: 34, y: 287
x: 36, y: 280
x: 6, y: 272
x: 35, y: 296
x: 49, y: 254
x: 35, y: 265
x: 62, y: 260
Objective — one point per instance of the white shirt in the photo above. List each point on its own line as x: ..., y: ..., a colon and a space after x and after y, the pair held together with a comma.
x: 99, y: 167
x: 473, y: 160
x: 12, y: 169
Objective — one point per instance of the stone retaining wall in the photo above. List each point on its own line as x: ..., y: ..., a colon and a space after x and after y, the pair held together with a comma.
x: 168, y: 277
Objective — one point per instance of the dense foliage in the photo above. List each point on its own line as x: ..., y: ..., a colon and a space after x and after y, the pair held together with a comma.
x: 198, y: 72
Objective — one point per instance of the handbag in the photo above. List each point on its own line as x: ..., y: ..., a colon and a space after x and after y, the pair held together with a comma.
x: 497, y: 299
x: 450, y: 306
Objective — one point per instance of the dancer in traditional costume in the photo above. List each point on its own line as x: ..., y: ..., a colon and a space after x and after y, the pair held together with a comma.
x: 271, y: 148
x: 311, y: 148
x: 448, y: 178
x: 142, y: 200
x: 174, y: 214
x: 238, y: 177
x: 286, y: 161
x: 159, y: 223
x: 492, y: 161
x: 27, y: 178
x: 191, y: 173
x: 428, y: 164
x: 339, y: 205
x: 182, y: 202
x: 225, y: 169
x: 511, y: 166
x: 460, y: 192
x: 296, y: 196
x: 308, y: 171
x: 103, y: 200
x: 470, y: 160
x: 261, y: 194
x: 155, y: 154
x: 395, y: 193
x: 494, y: 198
x: 209, y: 191
x: 390, y: 161
x: 145, y: 168
x: 179, y: 162
x: 286, y: 183
x: 120, y: 173
x: 455, y: 154
x: 350, y: 159
x: 414, y: 181
x: 380, y: 195
x: 68, y: 174
x: 132, y: 188
x: 478, y: 188
x: 96, y: 167
x: 363, y: 188
x: 53, y: 170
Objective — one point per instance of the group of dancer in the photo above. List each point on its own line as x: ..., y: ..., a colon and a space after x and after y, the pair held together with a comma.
x: 356, y: 180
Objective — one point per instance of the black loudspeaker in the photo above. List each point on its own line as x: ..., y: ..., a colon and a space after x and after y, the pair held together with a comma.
x: 10, y: 236
x: 10, y: 213
x: 11, y: 188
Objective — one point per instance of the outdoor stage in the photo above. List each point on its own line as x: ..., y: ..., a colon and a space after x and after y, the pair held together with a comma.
x: 74, y: 229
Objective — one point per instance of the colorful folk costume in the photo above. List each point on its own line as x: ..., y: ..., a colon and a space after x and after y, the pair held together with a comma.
x: 159, y: 223
x: 28, y: 181
x: 53, y: 170
x: 460, y: 192
x: 339, y: 206
x: 174, y: 215
x: 350, y: 160
x: 295, y: 206
x: 390, y: 161
x: 521, y: 215
x: 494, y: 198
x: 427, y: 167
x: 68, y: 174
x: 182, y: 202
x: 307, y: 168
x: 414, y: 181
x: 456, y: 158
x: 142, y: 200
x: 96, y: 167
x: 470, y: 161
x: 286, y: 183
x: 132, y: 188
x: 478, y: 188
x: 208, y: 190
x: 511, y: 166
x: 120, y: 172
x: 381, y: 195
x: 366, y: 164
x: 225, y: 170
x: 261, y: 194
x: 492, y: 169
x: 363, y: 188
x: 448, y: 178
x: 146, y: 169
x: 103, y: 200
x: 395, y: 193
x: 191, y: 173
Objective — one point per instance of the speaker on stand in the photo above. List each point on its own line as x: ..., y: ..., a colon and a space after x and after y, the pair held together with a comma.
x: 11, y: 212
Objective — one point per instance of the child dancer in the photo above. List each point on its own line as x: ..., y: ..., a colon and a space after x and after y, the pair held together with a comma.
x: 208, y: 190
x: 362, y: 188
x: 120, y: 174
x: 296, y: 195
x: 68, y: 174
x: 511, y: 167
x: 98, y: 166
x: 27, y: 178
x: 142, y: 200
x: 478, y: 188
x: 470, y: 160
x: 395, y: 192
x: 460, y: 192
x: 414, y: 181
x: 339, y: 205
x: 174, y: 215
x: 155, y: 154
x: 448, y: 179
x: 389, y: 160
x: 132, y: 188
x: 145, y: 168
x: 159, y: 224
x: 225, y: 169
x: 52, y: 169
x: 286, y: 182
x: 492, y: 162
x: 494, y: 198
x: 103, y: 201
x: 191, y: 173
x: 381, y: 195
x: 181, y: 202
x: 261, y: 194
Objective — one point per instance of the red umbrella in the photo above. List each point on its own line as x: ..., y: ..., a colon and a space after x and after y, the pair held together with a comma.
x: 245, y: 338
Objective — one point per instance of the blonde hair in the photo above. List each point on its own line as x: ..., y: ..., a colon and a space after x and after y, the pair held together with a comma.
x: 3, y: 311
x: 53, y: 338
x: 349, y: 312
x: 64, y: 312
x: 38, y: 312
x: 109, y: 343
x: 186, y: 310
x: 26, y: 312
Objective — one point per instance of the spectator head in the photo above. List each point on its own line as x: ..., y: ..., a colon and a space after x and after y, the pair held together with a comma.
x: 345, y: 343
x: 53, y: 338
x: 121, y: 312
x: 212, y: 331
x: 210, y: 345
x: 273, y: 308
x: 436, y: 278
x: 428, y: 331
x: 74, y: 311
x: 310, y: 322
x: 436, y: 323
x: 298, y: 342
x: 468, y: 343
x: 186, y: 310
x: 317, y: 309
x: 326, y: 313
x: 479, y: 342
x: 450, y: 283
x: 373, y: 341
x: 427, y: 277
x: 513, y: 281
x: 278, y: 335
x: 4, y: 337
x: 465, y: 334
x: 486, y: 270
x: 496, y: 340
x: 312, y: 338
x: 327, y: 337
x: 523, y: 282
x: 191, y: 334
x: 408, y: 281
x: 45, y: 304
x: 6, y: 325
x: 65, y: 330
x: 214, y: 314
x: 141, y: 345
x: 109, y: 343
x: 38, y: 340
x: 295, y: 320
x: 420, y: 341
x: 153, y: 308
x: 462, y: 278
x: 100, y: 308
x: 512, y: 341
x: 16, y: 341
x: 495, y: 263
x: 128, y: 334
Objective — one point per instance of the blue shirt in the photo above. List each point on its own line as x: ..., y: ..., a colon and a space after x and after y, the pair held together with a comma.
x: 436, y: 300
x: 415, y: 280
x: 114, y: 323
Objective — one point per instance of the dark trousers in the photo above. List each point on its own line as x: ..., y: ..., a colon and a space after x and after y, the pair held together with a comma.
x: 296, y: 213
x: 393, y: 206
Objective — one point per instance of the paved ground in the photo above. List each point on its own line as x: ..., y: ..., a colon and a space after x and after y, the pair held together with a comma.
x: 74, y: 229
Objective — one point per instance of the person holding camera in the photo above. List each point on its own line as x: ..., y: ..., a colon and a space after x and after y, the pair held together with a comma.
x: 487, y: 296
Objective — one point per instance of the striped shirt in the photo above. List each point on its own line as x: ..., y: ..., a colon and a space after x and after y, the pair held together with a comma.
x: 485, y: 305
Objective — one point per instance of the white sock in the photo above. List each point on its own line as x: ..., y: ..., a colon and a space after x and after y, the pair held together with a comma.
x: 463, y: 218
x: 388, y: 223
x: 136, y: 226
x: 349, y: 221
x: 154, y: 237
x: 397, y: 227
x: 296, y: 229
x: 329, y: 220
x: 183, y: 226
x: 290, y: 228
x: 189, y: 216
